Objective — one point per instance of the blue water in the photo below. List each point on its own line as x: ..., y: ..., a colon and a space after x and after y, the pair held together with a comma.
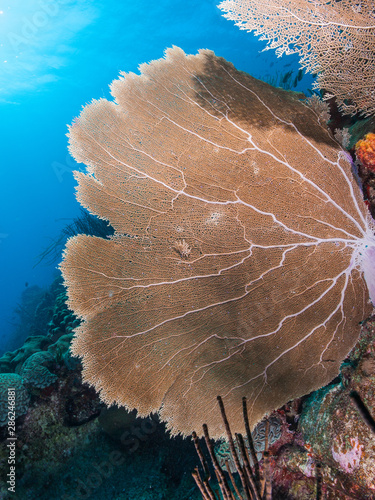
x: 55, y: 57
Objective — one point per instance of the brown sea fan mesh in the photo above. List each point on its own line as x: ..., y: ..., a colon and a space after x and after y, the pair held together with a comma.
x: 235, y: 266
x: 334, y: 39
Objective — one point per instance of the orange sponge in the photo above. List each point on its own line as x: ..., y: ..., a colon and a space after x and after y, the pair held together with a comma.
x: 365, y: 151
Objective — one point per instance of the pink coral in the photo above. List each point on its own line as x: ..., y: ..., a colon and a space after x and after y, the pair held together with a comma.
x: 349, y: 459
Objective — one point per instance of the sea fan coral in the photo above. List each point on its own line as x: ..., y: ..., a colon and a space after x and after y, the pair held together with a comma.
x: 266, y: 297
x: 334, y: 39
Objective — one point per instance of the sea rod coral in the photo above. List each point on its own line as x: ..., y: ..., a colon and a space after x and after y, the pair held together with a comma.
x: 266, y: 297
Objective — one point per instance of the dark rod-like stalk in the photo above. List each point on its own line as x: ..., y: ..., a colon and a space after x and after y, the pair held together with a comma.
x: 250, y: 441
x: 233, y: 450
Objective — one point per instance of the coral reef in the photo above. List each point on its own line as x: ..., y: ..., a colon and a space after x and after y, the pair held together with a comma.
x: 274, y: 422
x: 333, y: 428
x: 45, y: 317
x: 22, y: 398
x: 63, y: 450
x: 42, y: 359
x: 63, y: 320
x: 319, y: 446
x: 13, y: 361
x: 35, y: 373
x: 69, y: 445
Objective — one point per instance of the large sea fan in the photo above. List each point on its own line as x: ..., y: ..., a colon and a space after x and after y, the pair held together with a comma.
x: 241, y: 252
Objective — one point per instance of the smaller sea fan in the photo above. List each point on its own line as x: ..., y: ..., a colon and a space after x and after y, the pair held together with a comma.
x: 334, y: 39
x: 342, y: 136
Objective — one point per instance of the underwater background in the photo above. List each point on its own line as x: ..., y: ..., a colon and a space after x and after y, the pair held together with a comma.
x: 56, y: 56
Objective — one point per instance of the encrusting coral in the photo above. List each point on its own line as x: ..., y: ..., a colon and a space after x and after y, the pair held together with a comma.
x: 41, y: 360
x: 12, y: 381
x: 35, y: 373
x: 267, y: 301
x: 333, y: 427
